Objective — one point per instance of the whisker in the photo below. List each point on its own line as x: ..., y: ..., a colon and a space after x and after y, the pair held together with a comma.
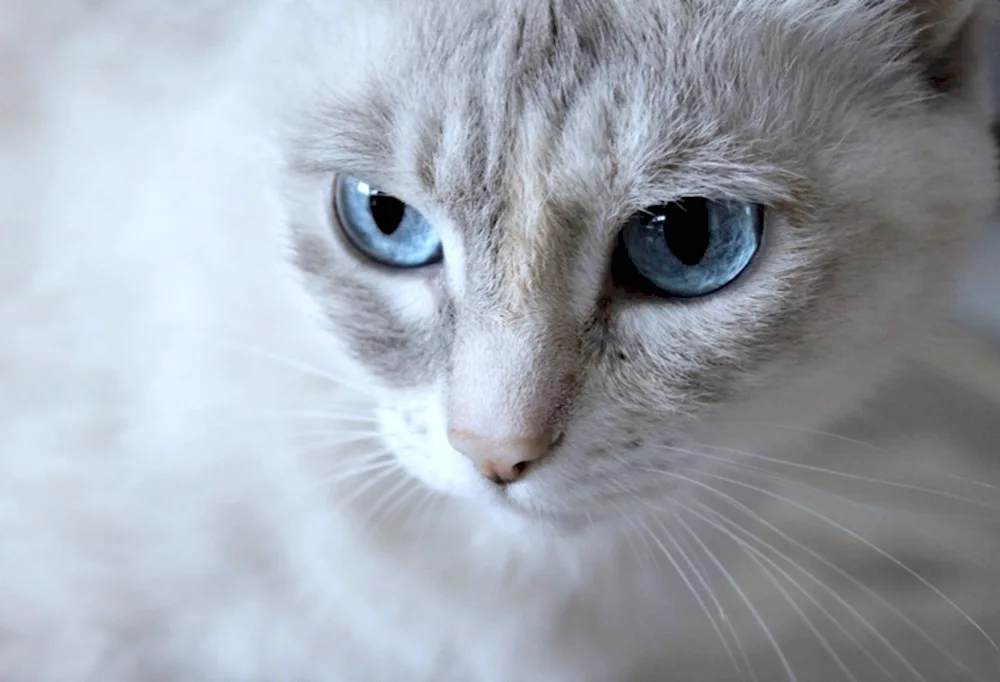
x: 628, y: 536
x: 378, y: 508
x: 781, y: 480
x: 790, y: 674
x: 358, y: 493
x: 357, y: 456
x: 643, y: 536
x: 732, y: 501
x: 809, y: 431
x: 917, y: 528
x: 401, y: 498
x: 332, y: 437
x: 290, y: 363
x: 971, y: 481
x: 694, y: 592
x: 697, y: 596
x: 351, y: 473
x: 853, y: 477
x: 350, y: 417
x: 843, y: 439
x: 867, y: 543
x: 419, y: 507
x: 429, y: 515
x: 704, y: 607
x: 753, y: 537
x: 752, y: 553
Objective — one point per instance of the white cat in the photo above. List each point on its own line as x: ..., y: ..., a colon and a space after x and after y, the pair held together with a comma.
x: 262, y: 420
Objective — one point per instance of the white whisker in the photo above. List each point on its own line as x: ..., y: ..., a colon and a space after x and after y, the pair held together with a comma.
x: 732, y: 501
x: 844, y: 439
x: 348, y: 417
x: 684, y: 578
x: 628, y: 536
x: 753, y: 537
x: 333, y: 437
x: 694, y: 592
x: 781, y: 480
x: 401, y: 498
x: 419, y: 507
x: 867, y: 543
x: 305, y: 368
x: 973, y: 482
x: 749, y: 604
x: 751, y: 553
x: 704, y: 607
x: 809, y: 431
x: 359, y: 471
x: 393, y: 494
x: 852, y: 477
x: 358, y: 493
x: 426, y: 516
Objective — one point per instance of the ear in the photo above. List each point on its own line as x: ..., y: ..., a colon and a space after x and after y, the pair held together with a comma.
x: 951, y: 41
x: 942, y: 22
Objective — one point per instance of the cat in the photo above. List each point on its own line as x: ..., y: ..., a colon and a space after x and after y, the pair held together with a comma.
x: 428, y: 341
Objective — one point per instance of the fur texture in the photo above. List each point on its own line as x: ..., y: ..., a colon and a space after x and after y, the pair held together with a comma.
x: 223, y: 441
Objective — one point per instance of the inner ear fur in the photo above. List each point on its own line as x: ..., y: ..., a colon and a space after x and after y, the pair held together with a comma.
x: 951, y: 40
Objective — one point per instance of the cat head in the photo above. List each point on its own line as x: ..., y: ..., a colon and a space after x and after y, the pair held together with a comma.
x: 572, y: 245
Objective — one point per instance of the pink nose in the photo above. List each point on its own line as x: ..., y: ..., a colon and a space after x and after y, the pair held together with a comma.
x: 502, y: 460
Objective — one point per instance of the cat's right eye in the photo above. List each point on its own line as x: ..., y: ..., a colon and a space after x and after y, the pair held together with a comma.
x: 383, y: 228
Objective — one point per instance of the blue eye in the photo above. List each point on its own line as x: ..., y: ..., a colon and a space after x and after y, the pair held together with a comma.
x: 383, y: 228
x: 687, y: 248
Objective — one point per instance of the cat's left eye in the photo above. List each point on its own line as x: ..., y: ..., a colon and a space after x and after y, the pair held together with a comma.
x: 687, y: 248
x: 383, y: 228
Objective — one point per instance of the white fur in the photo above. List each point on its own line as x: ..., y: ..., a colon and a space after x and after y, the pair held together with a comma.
x: 183, y: 444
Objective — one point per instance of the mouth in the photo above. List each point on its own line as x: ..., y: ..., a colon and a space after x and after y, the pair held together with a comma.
x: 607, y: 509
x: 561, y: 519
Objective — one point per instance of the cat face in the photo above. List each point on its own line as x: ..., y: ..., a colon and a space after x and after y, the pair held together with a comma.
x: 573, y: 244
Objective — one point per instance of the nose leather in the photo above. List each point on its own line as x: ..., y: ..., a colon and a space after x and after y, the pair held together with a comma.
x: 502, y: 460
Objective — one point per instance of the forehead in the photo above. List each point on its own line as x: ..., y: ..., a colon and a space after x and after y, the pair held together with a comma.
x: 614, y: 98
x: 522, y: 121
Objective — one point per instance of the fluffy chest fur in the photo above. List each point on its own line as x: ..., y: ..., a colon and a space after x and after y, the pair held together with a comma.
x: 228, y: 441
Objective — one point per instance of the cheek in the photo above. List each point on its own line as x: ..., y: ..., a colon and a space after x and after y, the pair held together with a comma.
x: 395, y: 325
x: 413, y: 430
x: 416, y: 301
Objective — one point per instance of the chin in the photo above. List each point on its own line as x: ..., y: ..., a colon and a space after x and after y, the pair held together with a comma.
x: 552, y: 518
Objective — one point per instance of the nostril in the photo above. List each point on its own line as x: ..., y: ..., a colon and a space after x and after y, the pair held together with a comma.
x: 502, y: 475
x: 493, y: 476
x: 502, y: 460
x: 520, y: 469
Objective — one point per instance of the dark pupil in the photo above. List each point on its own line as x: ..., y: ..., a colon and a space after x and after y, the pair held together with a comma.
x: 685, y: 228
x: 387, y: 212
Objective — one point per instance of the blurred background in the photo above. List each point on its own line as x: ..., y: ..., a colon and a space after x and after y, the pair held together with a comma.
x: 967, y: 356
x: 978, y: 302
x: 953, y: 393
x: 975, y: 360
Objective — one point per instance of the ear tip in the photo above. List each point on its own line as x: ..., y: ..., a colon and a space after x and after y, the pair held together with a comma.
x: 941, y: 21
